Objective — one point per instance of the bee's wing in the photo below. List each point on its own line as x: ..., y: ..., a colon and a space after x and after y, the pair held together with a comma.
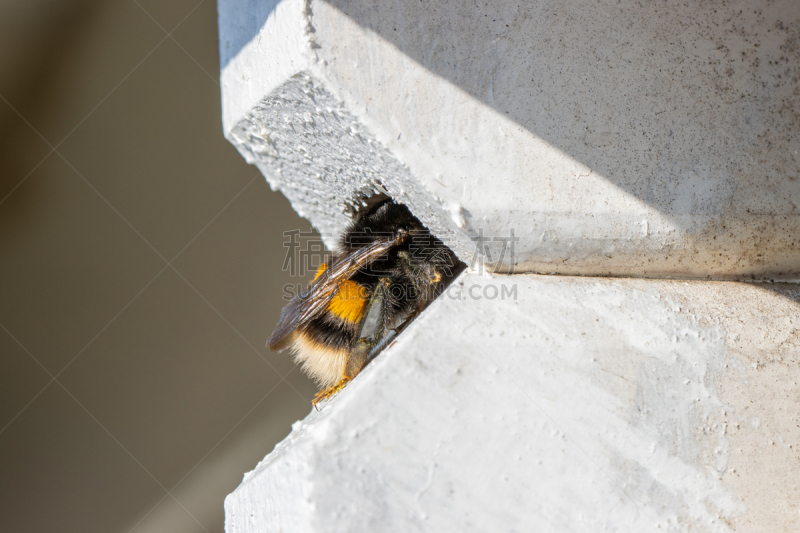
x: 311, y: 302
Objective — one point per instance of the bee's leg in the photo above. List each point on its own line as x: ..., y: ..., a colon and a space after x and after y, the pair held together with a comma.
x: 357, y: 359
x: 373, y: 329
x: 372, y: 332
x: 330, y: 391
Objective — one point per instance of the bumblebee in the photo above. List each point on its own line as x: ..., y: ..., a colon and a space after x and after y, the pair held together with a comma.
x: 389, y: 269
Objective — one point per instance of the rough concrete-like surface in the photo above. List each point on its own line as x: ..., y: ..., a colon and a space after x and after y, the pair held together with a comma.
x: 569, y: 404
x: 613, y: 138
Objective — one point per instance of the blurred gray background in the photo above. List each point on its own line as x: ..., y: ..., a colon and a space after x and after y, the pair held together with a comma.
x: 140, y: 274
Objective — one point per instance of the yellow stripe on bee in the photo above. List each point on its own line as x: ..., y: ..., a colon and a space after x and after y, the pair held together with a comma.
x: 322, y: 268
x: 348, y: 302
